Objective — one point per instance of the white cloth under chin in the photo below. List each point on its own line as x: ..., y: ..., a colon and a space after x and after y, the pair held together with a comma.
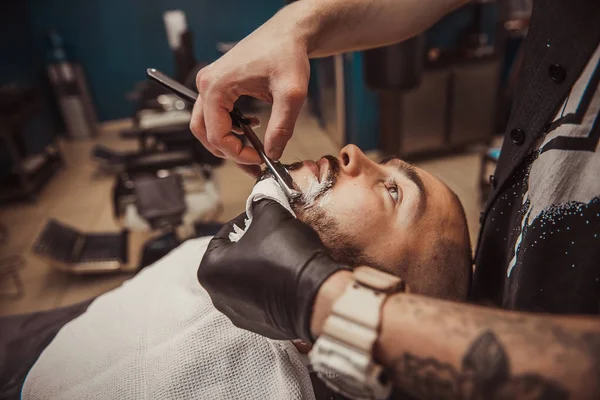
x: 158, y: 336
x: 265, y: 189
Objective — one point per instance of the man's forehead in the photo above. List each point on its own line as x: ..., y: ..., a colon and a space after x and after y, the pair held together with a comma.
x: 389, y: 159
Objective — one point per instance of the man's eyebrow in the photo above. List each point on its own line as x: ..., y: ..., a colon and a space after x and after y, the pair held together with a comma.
x: 410, y: 172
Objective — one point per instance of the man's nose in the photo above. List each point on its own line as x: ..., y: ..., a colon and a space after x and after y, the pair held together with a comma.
x: 353, y: 160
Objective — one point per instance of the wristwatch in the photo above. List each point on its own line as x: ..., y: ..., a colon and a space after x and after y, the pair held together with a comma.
x: 342, y: 355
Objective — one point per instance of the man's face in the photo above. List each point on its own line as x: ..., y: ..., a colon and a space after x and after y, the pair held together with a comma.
x: 370, y: 213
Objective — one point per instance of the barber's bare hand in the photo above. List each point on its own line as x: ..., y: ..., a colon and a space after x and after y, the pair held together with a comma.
x: 270, y: 65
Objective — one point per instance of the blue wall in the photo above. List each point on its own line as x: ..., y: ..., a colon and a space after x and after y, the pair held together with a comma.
x: 17, y: 59
x: 117, y: 40
x: 362, y: 108
x: 20, y: 64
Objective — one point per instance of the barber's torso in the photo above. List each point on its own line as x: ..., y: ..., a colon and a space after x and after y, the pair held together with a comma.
x: 539, y: 246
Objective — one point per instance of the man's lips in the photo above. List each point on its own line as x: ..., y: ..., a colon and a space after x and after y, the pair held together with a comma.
x: 323, y: 165
x: 313, y: 168
x: 318, y: 169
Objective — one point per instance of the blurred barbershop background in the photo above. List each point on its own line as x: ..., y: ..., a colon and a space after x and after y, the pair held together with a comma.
x: 100, y: 175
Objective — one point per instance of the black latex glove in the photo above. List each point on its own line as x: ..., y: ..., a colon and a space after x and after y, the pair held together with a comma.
x: 267, y: 282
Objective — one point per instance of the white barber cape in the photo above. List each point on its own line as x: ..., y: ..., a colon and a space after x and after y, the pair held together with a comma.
x: 158, y: 336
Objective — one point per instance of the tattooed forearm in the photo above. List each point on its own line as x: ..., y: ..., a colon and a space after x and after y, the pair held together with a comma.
x: 483, y: 374
x: 444, y: 350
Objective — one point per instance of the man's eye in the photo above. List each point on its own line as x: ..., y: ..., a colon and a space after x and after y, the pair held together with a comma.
x: 393, y: 190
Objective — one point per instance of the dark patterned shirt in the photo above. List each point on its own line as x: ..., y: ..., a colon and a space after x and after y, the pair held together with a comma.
x: 539, y: 248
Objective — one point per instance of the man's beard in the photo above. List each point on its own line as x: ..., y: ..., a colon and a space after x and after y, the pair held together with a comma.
x: 309, y: 209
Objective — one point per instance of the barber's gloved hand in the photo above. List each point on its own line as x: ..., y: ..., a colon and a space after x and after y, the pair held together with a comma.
x: 267, y: 282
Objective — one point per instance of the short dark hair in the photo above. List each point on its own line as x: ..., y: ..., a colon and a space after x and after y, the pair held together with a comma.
x: 446, y: 271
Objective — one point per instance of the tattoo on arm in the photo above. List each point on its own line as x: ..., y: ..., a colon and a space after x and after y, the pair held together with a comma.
x: 485, y: 374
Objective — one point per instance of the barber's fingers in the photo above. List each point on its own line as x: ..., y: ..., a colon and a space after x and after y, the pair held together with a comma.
x: 267, y: 213
x: 287, y: 103
x: 198, y: 128
x: 245, y: 318
x: 218, y: 248
x: 215, y: 256
x: 270, y: 207
x: 252, y: 324
x: 219, y: 135
x: 252, y: 170
x: 254, y: 123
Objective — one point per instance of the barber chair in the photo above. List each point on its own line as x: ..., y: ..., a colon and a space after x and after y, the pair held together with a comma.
x: 9, y: 270
x: 160, y: 201
x: 115, y: 162
x: 150, y: 139
x: 162, y: 139
x: 70, y: 250
x: 162, y: 206
x: 200, y: 191
x: 24, y: 170
x: 161, y: 120
x: 171, y: 138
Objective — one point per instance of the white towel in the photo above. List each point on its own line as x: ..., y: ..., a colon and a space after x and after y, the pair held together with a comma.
x: 265, y: 189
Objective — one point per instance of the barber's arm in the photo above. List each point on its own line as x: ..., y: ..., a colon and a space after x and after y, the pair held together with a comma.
x: 271, y: 64
x: 278, y: 281
x: 445, y: 350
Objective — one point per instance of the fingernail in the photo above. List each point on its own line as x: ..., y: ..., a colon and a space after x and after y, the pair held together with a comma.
x: 275, y: 153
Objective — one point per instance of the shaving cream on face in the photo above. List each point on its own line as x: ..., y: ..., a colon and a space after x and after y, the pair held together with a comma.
x: 314, y: 190
x: 325, y: 198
